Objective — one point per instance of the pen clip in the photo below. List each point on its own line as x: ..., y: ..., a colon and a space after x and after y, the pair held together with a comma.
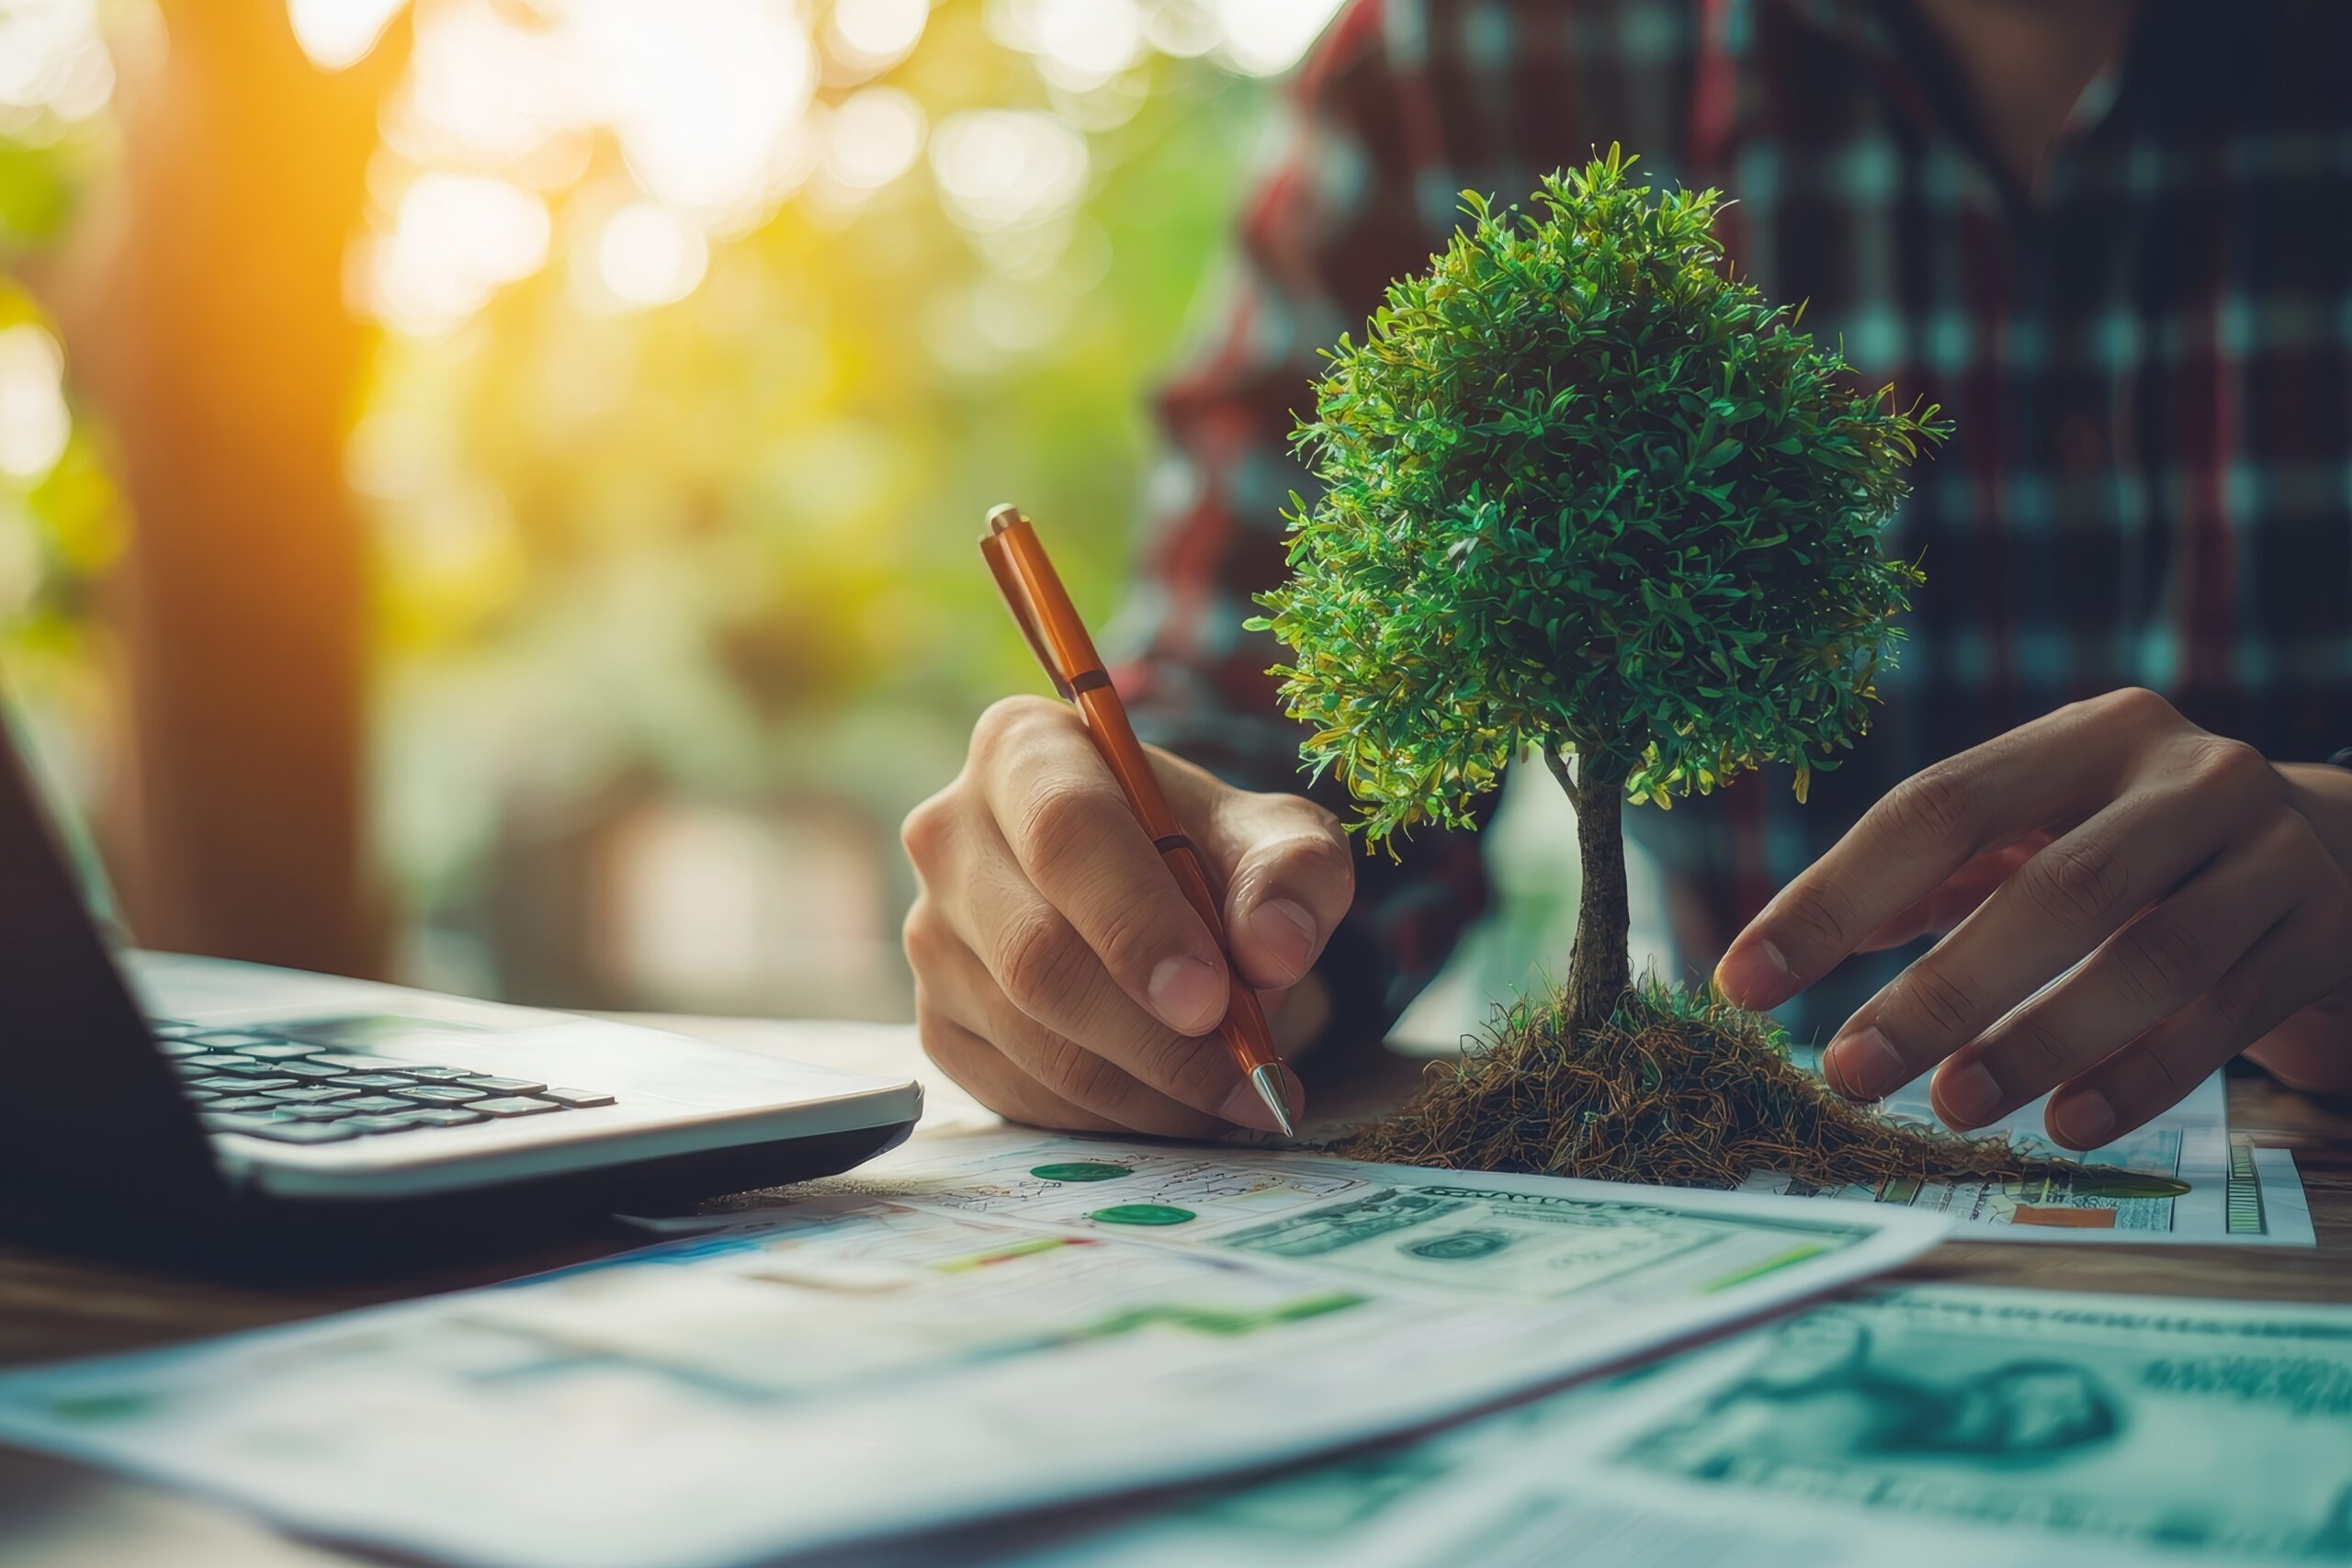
x: 998, y: 553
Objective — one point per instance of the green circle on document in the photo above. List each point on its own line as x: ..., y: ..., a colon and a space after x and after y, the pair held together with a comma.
x: 1082, y: 1170
x: 1143, y: 1215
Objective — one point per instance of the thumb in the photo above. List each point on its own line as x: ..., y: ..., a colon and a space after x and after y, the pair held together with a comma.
x: 1289, y: 877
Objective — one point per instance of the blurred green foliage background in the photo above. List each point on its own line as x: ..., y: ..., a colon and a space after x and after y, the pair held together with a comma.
x: 708, y: 333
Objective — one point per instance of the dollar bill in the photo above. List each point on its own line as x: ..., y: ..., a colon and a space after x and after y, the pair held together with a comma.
x: 2216, y: 1429
x: 1453, y: 1235
x: 1928, y: 1426
x: 2183, y: 1178
x: 1519, y: 1243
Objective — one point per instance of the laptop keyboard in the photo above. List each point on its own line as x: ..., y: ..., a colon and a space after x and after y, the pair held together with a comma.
x: 273, y: 1086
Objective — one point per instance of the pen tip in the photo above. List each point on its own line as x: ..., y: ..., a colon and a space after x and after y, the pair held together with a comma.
x: 1002, y: 515
x: 1269, y: 1082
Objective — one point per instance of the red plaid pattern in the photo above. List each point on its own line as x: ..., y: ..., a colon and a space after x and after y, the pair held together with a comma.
x: 2149, y: 361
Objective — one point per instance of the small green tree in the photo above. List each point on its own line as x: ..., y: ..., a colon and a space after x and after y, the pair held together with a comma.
x: 1586, y: 493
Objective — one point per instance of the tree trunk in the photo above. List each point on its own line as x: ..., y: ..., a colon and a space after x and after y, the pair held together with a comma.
x: 201, y: 300
x: 1599, y: 970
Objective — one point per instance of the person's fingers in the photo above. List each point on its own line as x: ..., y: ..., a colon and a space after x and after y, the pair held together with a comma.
x: 1043, y: 970
x: 2054, y: 770
x: 1288, y: 878
x: 2298, y: 960
x: 1956, y: 899
x: 1078, y: 841
x: 963, y: 989
x: 2060, y: 904
x: 984, y: 1073
x: 2142, y: 974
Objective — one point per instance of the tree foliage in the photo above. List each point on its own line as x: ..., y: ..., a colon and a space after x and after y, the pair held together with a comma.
x: 1586, y: 490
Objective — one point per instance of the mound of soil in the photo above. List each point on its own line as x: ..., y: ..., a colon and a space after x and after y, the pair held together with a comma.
x: 1680, y: 1088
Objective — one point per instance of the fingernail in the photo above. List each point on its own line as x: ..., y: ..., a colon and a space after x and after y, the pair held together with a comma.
x: 1287, y: 933
x: 1188, y: 995
x: 1757, y: 975
x: 1969, y: 1096
x: 1244, y: 1109
x: 2084, y: 1120
x: 1864, y: 1067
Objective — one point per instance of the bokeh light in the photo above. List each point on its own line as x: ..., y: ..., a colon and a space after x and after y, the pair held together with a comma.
x: 340, y: 33
x: 708, y: 327
x: 34, y: 424
x: 648, y: 255
x: 485, y: 87
x: 1000, y: 168
x: 455, y: 238
x: 1263, y: 37
x: 867, y: 34
x: 706, y: 111
x: 1080, y: 43
x: 873, y: 138
x: 52, y: 62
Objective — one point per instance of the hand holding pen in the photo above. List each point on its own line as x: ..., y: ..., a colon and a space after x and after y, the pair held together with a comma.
x: 1063, y: 977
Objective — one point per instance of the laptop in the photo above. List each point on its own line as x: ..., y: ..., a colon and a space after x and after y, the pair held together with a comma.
x: 237, y: 1118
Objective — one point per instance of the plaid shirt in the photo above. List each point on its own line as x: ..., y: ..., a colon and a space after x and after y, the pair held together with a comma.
x: 2149, y: 361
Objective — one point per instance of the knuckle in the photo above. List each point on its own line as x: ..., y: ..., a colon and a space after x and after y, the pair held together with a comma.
x: 916, y: 935
x: 2075, y: 885
x: 1038, y: 957
x: 931, y: 945
x: 2325, y: 909
x: 1947, y: 1005
x: 2238, y: 995
x: 2138, y: 706
x: 1060, y: 822
x: 1004, y: 721
x: 1318, y: 858
x: 2158, y: 960
x: 924, y: 832
x: 964, y: 1059
x: 2291, y: 839
x: 2166, y: 1086
x: 1140, y: 934
x: 2143, y: 1079
x: 938, y: 1035
x: 2043, y: 1048
x: 2215, y: 763
x: 1190, y: 1070
x: 1321, y: 820
x: 1078, y: 1075
x: 1817, y: 916
x: 1933, y: 806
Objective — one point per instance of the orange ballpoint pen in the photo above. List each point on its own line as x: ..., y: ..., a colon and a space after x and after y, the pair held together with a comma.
x: 1041, y: 608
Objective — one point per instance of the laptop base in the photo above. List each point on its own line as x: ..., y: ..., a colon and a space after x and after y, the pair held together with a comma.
x: 259, y: 1240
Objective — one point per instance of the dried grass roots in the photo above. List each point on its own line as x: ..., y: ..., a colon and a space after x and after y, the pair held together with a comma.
x: 1677, y: 1089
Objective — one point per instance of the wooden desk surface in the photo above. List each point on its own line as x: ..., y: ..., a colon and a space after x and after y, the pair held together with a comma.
x: 54, y: 1515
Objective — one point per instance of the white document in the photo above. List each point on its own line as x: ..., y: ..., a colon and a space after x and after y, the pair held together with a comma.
x: 2237, y: 1195
x: 972, y: 1326
x: 1919, y: 1426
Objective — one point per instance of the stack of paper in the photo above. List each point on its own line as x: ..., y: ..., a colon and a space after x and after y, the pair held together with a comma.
x: 984, y: 1326
x: 981, y: 1328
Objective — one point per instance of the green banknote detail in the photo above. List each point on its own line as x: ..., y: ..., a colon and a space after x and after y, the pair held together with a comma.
x: 2194, y: 1427
x: 1082, y: 1170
